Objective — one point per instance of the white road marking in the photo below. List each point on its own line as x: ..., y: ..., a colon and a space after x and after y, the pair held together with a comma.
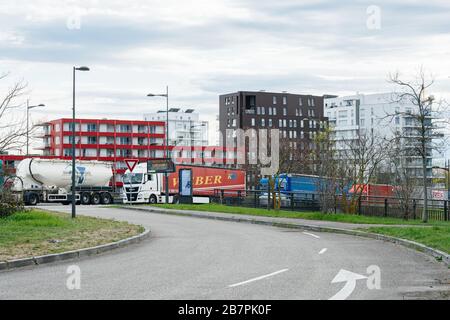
x: 312, y: 235
x: 323, y: 250
x: 258, y: 278
x: 350, y: 279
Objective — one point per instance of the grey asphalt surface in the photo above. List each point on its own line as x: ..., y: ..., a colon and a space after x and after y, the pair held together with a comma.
x: 192, y: 258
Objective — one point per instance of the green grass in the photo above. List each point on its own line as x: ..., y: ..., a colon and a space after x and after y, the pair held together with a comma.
x: 437, y: 237
x: 348, y: 218
x: 37, y: 232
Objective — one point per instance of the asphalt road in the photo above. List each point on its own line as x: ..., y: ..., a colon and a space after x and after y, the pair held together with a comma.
x: 191, y: 258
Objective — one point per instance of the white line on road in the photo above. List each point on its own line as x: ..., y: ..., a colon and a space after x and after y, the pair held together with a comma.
x: 312, y: 235
x: 323, y: 250
x: 258, y: 278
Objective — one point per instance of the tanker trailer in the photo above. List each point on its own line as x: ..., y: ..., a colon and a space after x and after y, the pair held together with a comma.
x: 50, y: 180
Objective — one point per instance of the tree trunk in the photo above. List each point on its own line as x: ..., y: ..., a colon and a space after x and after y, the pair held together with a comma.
x: 425, y: 193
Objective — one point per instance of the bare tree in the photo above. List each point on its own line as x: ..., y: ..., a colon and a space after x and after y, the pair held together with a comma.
x: 363, y: 154
x: 423, y: 134
x: 327, y: 167
x: 404, y: 183
x: 293, y: 158
x: 12, y: 129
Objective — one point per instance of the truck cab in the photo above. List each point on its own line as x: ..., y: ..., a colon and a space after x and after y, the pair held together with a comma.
x: 141, y: 187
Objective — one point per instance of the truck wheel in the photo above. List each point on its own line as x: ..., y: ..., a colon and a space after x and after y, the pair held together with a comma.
x: 95, y: 198
x: 105, y: 198
x: 33, y: 199
x: 152, y: 199
x: 85, y: 198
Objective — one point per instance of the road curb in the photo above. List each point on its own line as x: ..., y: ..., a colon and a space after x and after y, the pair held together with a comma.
x: 75, y: 254
x: 437, y: 254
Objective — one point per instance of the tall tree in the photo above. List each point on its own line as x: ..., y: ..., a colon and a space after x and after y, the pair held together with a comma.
x: 12, y: 128
x: 423, y: 134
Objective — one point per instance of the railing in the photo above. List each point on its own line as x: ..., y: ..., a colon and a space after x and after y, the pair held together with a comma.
x: 295, y: 201
x: 438, y: 210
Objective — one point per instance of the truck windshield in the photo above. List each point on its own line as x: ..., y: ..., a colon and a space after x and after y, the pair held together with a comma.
x: 132, y: 178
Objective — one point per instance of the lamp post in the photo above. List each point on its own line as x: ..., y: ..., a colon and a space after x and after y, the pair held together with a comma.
x: 28, y: 121
x: 192, y: 138
x: 166, y: 176
x: 73, y: 139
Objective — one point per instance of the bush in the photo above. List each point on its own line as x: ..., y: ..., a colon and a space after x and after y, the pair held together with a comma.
x: 9, y: 204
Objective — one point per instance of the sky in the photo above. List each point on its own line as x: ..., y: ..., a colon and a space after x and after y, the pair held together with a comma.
x: 204, y: 48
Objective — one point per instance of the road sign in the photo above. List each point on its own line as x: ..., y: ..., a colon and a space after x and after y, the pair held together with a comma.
x: 160, y: 166
x: 131, y: 163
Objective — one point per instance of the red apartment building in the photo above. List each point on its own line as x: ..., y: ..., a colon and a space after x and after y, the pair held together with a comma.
x: 115, y: 141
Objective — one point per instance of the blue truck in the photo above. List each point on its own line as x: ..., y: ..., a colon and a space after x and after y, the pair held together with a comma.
x: 300, y: 187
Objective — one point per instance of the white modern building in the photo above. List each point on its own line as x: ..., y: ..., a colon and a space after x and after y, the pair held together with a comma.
x: 185, y: 127
x: 378, y: 115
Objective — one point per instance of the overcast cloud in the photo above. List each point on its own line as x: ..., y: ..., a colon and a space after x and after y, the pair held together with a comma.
x: 205, y: 48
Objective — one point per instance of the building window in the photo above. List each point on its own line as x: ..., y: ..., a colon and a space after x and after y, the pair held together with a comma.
x: 270, y: 111
x: 300, y: 102
x: 280, y: 123
x: 92, y: 127
x: 124, y: 140
x: 284, y: 111
x: 125, y: 128
x: 270, y: 122
x: 92, y: 140
x: 284, y: 123
x: 274, y: 111
x: 285, y: 100
x: 263, y: 122
x: 253, y: 122
x: 263, y: 110
x: 274, y: 100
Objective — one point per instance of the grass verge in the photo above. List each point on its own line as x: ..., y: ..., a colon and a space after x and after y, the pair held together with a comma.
x: 37, y: 232
x: 437, y: 237
x: 348, y: 218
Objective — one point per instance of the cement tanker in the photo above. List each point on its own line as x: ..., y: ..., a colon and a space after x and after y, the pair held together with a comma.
x: 50, y: 180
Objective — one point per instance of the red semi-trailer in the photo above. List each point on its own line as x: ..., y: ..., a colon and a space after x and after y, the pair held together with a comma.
x: 143, y: 187
x: 205, y: 180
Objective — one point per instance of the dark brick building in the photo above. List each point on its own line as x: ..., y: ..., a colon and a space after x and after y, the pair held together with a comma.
x: 298, y: 117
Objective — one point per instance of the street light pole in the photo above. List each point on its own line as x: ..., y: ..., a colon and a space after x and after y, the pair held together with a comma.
x: 166, y: 175
x: 191, y: 133
x: 73, y: 139
x: 28, y: 121
x: 166, y: 140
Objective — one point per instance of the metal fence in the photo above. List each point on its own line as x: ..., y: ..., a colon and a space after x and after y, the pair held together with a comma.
x: 365, y: 205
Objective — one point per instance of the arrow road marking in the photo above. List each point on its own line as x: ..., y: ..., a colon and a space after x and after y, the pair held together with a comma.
x: 350, y: 283
x: 258, y: 278
x: 312, y: 235
x: 323, y: 250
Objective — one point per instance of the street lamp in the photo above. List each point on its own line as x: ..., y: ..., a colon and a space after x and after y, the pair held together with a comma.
x: 166, y: 176
x: 73, y: 139
x: 192, y: 138
x: 28, y: 120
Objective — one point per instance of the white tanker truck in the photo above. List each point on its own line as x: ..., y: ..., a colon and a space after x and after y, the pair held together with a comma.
x: 50, y: 180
